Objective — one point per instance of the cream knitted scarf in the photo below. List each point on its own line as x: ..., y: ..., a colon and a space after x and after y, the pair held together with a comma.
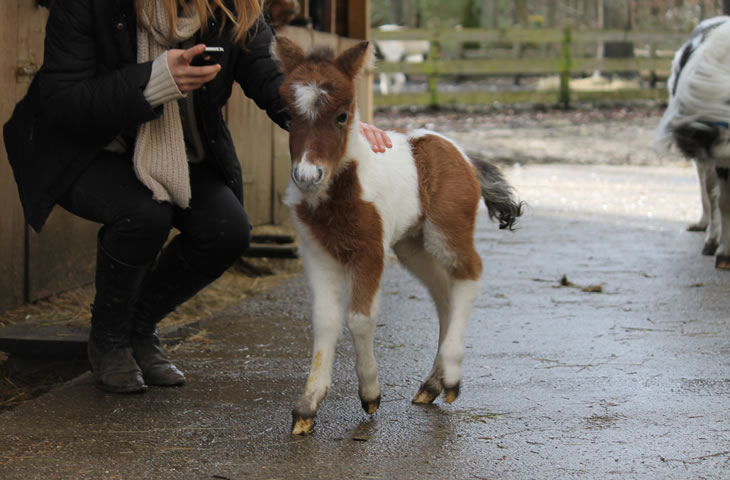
x: 160, y: 161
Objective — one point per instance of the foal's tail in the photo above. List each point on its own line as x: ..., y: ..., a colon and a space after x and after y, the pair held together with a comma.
x: 499, y: 196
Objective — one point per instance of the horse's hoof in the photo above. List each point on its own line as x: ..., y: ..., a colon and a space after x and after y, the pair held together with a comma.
x: 722, y: 262
x: 425, y: 395
x: 709, y: 248
x: 371, y: 406
x: 696, y: 227
x: 451, y: 393
x: 302, y: 426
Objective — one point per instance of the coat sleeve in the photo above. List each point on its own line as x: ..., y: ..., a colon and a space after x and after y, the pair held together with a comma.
x: 78, y: 97
x: 259, y: 74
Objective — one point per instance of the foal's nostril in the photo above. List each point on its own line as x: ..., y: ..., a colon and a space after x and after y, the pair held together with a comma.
x: 295, y: 174
x: 320, y: 174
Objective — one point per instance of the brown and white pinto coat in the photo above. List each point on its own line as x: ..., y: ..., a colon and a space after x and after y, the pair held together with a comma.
x: 351, y: 206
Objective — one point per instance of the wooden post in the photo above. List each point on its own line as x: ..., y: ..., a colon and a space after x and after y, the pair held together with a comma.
x: 358, y: 15
x: 726, y: 7
x: 433, y: 52
x: 565, y: 66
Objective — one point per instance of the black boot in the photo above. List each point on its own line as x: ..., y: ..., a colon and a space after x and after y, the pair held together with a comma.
x: 172, y: 281
x: 110, y: 353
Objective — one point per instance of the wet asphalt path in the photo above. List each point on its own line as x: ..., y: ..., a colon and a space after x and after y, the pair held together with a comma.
x: 621, y: 372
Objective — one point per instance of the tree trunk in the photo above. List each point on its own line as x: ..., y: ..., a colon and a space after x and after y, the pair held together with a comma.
x: 490, y: 13
x: 521, y: 13
x: 726, y: 7
x: 552, y: 11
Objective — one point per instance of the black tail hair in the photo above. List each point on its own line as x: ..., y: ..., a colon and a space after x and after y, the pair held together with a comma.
x: 498, y: 195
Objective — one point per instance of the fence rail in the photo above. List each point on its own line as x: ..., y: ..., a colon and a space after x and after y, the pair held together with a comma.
x: 523, y: 51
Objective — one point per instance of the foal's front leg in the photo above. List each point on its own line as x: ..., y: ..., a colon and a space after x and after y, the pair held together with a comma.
x: 361, y: 315
x: 326, y: 279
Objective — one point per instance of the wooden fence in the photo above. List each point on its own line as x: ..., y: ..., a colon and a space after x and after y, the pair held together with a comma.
x: 525, y: 51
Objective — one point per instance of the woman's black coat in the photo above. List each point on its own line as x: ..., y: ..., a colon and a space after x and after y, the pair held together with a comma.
x: 89, y: 90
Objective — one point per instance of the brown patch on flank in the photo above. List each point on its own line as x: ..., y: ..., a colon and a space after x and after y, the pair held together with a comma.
x: 350, y: 230
x: 449, y: 194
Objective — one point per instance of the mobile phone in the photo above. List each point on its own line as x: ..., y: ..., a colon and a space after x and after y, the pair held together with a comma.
x: 210, y: 56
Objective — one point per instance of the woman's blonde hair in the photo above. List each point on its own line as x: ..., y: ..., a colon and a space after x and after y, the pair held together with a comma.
x: 243, y: 15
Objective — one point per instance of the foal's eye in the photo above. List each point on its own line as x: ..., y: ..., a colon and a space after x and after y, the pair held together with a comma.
x: 342, y: 118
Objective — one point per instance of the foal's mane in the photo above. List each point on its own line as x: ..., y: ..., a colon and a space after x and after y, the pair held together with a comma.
x: 320, y: 54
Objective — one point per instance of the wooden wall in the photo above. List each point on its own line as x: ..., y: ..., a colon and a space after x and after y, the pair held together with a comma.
x: 33, y: 266
x: 12, y: 236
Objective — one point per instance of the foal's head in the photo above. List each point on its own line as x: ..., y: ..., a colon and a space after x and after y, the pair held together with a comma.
x: 319, y: 91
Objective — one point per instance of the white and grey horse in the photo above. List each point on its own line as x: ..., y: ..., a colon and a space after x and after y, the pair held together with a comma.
x: 696, y: 121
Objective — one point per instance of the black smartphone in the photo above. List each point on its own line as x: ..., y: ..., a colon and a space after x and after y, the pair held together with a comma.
x: 210, y: 56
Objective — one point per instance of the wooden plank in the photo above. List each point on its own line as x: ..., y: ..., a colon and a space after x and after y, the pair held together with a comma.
x: 252, y: 133
x: 488, y: 98
x: 358, y: 19
x: 63, y: 255
x: 329, y: 16
x: 12, y: 224
x: 282, y: 173
x: 507, y: 66
x: 533, y: 35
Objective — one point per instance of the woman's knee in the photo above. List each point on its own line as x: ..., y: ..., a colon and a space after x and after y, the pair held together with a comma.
x: 219, y: 243
x: 139, y: 234
x: 232, y: 238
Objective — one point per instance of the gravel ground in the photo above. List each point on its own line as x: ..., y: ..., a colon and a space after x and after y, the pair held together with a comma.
x: 588, y: 135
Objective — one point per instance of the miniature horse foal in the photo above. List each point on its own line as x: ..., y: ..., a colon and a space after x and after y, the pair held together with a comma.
x: 350, y: 206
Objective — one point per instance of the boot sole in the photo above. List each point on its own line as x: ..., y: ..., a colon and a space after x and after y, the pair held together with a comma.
x: 112, y: 389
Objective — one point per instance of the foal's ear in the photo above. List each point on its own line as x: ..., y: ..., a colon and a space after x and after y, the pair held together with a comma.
x: 287, y: 53
x: 355, y: 58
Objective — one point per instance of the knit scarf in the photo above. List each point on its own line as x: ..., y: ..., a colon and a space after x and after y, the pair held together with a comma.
x: 160, y: 160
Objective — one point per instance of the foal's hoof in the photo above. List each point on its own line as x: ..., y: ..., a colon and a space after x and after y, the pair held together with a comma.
x: 722, y: 262
x: 371, y: 406
x: 302, y: 426
x: 451, y: 393
x: 709, y: 248
x: 426, y: 394
x: 697, y: 227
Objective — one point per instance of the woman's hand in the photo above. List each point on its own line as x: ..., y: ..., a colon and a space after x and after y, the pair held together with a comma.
x: 379, y: 140
x: 186, y: 76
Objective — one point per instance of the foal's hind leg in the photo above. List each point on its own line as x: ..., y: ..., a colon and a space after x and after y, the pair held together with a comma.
x: 455, y: 251
x: 434, y: 277
x: 361, y: 316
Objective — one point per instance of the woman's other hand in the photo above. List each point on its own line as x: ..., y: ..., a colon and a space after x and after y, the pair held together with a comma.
x: 187, y: 77
x: 379, y: 140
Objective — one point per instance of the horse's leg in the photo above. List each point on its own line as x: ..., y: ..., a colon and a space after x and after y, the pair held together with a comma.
x: 462, y: 294
x: 712, y: 237
x: 425, y: 267
x: 326, y: 279
x: 362, y: 312
x: 722, y: 260
x: 704, y: 220
x: 454, y: 249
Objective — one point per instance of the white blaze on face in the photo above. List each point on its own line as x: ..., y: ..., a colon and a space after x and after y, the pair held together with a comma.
x: 308, y: 172
x: 309, y: 98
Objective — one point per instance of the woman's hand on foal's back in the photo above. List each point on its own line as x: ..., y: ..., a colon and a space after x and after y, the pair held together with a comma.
x: 379, y: 140
x: 187, y: 77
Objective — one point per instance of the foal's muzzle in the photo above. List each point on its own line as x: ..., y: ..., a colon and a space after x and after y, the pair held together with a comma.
x: 307, y: 177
